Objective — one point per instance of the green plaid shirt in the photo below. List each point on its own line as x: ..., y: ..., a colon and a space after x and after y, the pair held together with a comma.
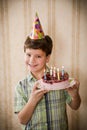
x: 56, y: 107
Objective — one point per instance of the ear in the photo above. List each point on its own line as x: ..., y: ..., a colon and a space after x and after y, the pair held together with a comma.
x: 47, y: 58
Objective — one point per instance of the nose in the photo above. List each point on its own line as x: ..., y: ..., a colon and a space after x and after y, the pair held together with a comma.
x: 32, y: 60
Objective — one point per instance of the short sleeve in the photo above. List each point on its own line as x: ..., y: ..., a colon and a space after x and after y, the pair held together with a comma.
x: 20, y: 98
x: 68, y: 98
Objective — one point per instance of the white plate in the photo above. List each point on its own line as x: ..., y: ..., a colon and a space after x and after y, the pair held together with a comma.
x: 56, y: 86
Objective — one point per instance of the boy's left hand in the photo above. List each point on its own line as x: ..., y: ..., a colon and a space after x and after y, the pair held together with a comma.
x: 74, y: 90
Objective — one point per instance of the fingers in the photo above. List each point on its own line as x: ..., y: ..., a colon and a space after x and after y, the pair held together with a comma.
x: 42, y: 91
x: 77, y: 83
x: 39, y: 91
x: 75, y: 87
x: 43, y: 88
x: 35, y: 86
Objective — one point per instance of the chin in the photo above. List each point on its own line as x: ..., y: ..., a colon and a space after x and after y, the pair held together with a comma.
x: 32, y: 69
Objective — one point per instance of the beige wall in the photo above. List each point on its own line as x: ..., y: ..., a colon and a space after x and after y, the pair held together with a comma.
x: 66, y: 22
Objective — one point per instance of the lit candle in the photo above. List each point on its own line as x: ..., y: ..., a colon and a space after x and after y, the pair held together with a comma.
x: 58, y: 73
x: 45, y: 77
x: 62, y: 71
x: 51, y: 71
x: 54, y: 72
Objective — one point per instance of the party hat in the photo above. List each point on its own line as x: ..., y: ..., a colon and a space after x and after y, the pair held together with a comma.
x: 37, y: 31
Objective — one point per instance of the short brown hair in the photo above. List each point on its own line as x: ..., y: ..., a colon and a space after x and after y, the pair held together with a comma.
x: 44, y: 44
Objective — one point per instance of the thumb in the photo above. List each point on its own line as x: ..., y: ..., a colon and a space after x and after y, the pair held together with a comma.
x: 35, y: 86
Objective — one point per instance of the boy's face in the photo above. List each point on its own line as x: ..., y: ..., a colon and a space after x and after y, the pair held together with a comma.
x: 36, y: 60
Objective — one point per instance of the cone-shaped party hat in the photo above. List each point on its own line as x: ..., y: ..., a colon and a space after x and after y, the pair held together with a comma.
x: 37, y: 31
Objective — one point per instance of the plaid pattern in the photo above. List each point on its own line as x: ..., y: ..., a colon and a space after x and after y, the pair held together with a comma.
x: 56, y: 107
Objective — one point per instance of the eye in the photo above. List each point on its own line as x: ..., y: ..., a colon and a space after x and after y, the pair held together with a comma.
x: 38, y: 56
x: 29, y: 55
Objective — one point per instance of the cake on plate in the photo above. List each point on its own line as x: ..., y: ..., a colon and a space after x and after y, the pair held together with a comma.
x: 56, y: 79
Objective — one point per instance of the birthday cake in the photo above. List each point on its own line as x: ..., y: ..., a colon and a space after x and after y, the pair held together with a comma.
x: 56, y: 79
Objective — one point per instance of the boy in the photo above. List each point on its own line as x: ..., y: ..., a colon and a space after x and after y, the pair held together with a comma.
x: 30, y: 102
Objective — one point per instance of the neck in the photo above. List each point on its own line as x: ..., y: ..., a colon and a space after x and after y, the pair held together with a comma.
x: 38, y: 75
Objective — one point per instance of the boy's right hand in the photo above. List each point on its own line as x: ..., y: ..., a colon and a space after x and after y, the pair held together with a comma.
x: 37, y: 94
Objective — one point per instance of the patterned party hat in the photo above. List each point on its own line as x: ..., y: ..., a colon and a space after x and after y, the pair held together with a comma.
x: 37, y: 32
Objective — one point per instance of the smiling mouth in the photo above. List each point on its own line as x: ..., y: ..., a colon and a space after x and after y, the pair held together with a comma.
x: 32, y: 65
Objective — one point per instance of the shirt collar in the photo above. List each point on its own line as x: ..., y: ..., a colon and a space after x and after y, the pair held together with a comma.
x: 31, y: 77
